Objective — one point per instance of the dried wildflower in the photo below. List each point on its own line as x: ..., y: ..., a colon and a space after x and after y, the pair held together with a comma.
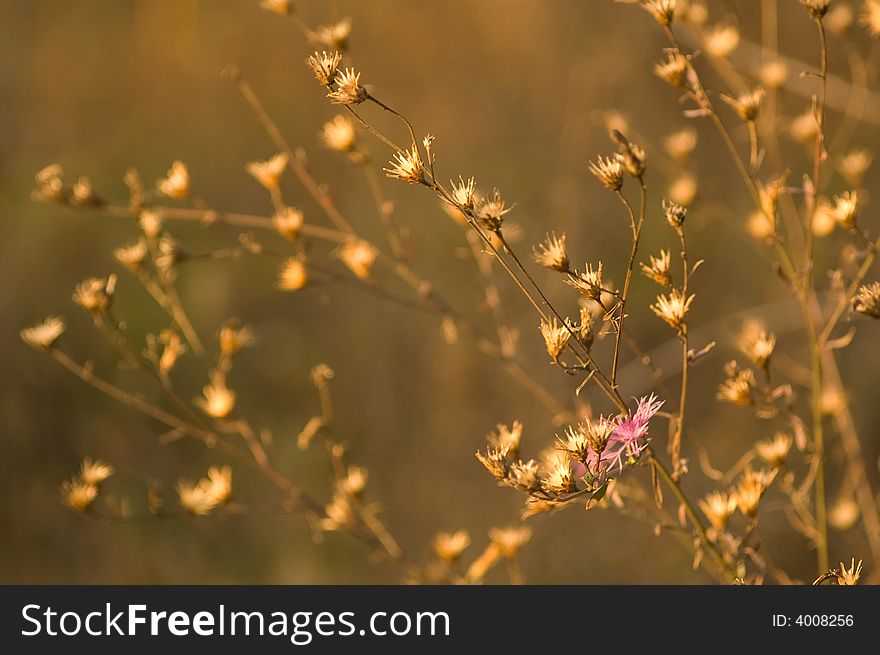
x: 268, y: 172
x: 338, y: 134
x: 658, y: 269
x: 171, y: 253
x: 854, y: 164
x: 849, y: 577
x: 335, y: 35
x: 293, y: 275
x: 775, y: 450
x: 768, y: 194
x: 95, y: 294
x: 558, y: 477
x: 574, y: 442
x: 824, y: 221
x: 673, y: 308
x: 663, y: 11
x: 510, y: 540
x: 839, y: 18
x: 680, y: 144
x: 757, y: 344
x: 325, y: 67
x: 675, y: 214
x: 552, y: 254
x: 233, y: 338
x: 50, y: 183
x: 280, y: 7
x: 683, y: 189
x: 218, y: 401
x: 288, y: 222
x: 598, y: 432
x: 354, y: 482
x: 359, y: 256
x: 83, y: 195
x: 407, y: 166
x: 175, y: 184
x: 737, y: 388
x: 674, y: 70
x: 867, y: 300
x: 588, y: 283
x: 506, y: 439
x: 843, y: 514
x: 524, y: 475
x: 338, y: 514
x: 609, y: 171
x: 218, y: 484
x: 869, y: 17
x: 720, y: 41
x: 555, y: 337
x: 196, y: 498
x: 774, y: 74
x: 747, y: 104
x: 449, y: 546
x: 584, y: 330
x: 718, y: 506
x: 492, y: 210
x: 463, y: 193
x: 816, y: 8
x: 150, y: 222
x: 348, y: 89
x: 93, y: 471
x: 633, y: 157
x: 496, y: 461
x: 751, y: 488
x: 172, y: 348
x: 45, y: 334
x: 132, y: 256
x: 846, y: 209
x: 78, y: 495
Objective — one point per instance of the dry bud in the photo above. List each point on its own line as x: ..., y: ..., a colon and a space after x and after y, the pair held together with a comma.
x: 609, y: 171
x: 658, y: 269
x: 268, y: 172
x: 175, y: 184
x: 552, y: 254
x: 293, y: 275
x: 348, y: 89
x: 867, y: 300
x: 45, y: 334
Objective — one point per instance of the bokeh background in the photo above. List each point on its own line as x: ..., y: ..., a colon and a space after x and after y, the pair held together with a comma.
x: 515, y: 94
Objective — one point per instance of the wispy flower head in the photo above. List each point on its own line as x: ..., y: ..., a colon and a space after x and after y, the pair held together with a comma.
x: 663, y: 11
x: 288, y: 222
x: 492, y: 211
x: 673, y: 70
x: 210, y: 492
x: 175, y: 184
x: 720, y: 41
x: 718, y: 506
x: 93, y: 471
x: 658, y: 268
x: 358, y: 255
x: 846, y: 209
x: 45, y: 334
x: 150, y: 222
x: 630, y: 430
x: 588, y: 283
x: 132, y: 256
x: 293, y: 275
x: 407, y: 166
x: 449, y: 546
x: 558, y: 477
x: 348, y: 89
x: 268, y: 172
x: 463, y: 192
x: 751, y: 488
x: 335, y: 35
x: 673, y: 308
x: 775, y: 450
x: 747, y: 104
x: 78, y: 495
x: 867, y: 300
x: 325, y: 67
x: 218, y: 401
x: 233, y: 338
x: 737, y: 388
x: 551, y: 253
x: 510, y: 540
x: 609, y: 171
x: 338, y: 134
x: 675, y: 214
x: 849, y: 576
x: 757, y: 344
x: 95, y: 294
x: 555, y: 337
x: 506, y: 438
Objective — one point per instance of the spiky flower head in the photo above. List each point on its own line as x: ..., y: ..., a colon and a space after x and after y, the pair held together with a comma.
x: 718, y: 506
x: 45, y: 334
x: 751, y: 488
x: 588, y: 283
x: 747, y: 104
x: 658, y: 268
x: 325, y: 67
x: 555, y: 337
x: 449, y: 546
x: 334, y: 35
x: 609, y: 171
x: 673, y: 70
x: 775, y: 450
x: 737, y: 388
x: 492, y: 210
x: 551, y: 253
x: 846, y: 209
x: 849, y: 576
x: 93, y: 471
x: 359, y: 256
x: 407, y: 166
x: 175, y: 184
x: 95, y: 294
x: 510, y: 540
x: 506, y: 438
x: 348, y: 89
x: 293, y: 275
x: 558, y: 477
x: 675, y: 214
x: 663, y: 11
x: 268, y: 172
x: 673, y: 308
x: 463, y: 192
x: 757, y: 344
x: 867, y: 300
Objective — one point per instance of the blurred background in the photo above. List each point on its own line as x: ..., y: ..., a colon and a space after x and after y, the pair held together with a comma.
x: 517, y: 94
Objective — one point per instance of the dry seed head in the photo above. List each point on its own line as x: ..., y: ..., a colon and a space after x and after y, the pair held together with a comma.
x: 335, y: 35
x: 574, y: 442
x: 82, y: 194
x: 358, y: 256
x: 673, y: 308
x: 844, y: 514
x: 218, y: 483
x: 132, y: 256
x: 680, y: 144
x: 449, y: 546
x: 848, y: 577
x: 720, y: 41
x: 506, y: 438
x: 150, y: 222
x: 492, y: 210
x: 747, y: 104
x: 598, y: 432
x: 217, y: 401
x: 280, y: 7
x: 846, y: 209
x: 588, y: 283
x: 93, y: 471
x: 195, y: 498
x: 609, y: 171
x: 775, y: 450
x: 288, y: 222
x: 175, y: 184
x: 45, y: 334
x: 757, y: 344
x: 555, y: 337
x: 867, y: 300
x: 824, y: 221
x: 839, y: 18
x: 338, y: 134
x: 683, y: 189
x: 774, y: 74
x: 510, y: 540
x: 348, y: 89
x: 268, y: 172
x: 325, y: 67
x: 675, y: 214
x: 674, y: 70
x: 658, y: 270
x: 496, y: 461
x: 407, y: 166
x: 816, y: 8
x: 524, y: 475
x: 233, y: 338
x: 172, y: 348
x: 718, y: 506
x: 50, y: 183
x: 632, y: 156
x: 737, y: 388
x: 751, y: 488
x: 551, y: 253
x: 95, y: 294
x: 78, y: 495
x: 293, y: 275
x: 558, y: 477
x: 854, y: 164
x: 869, y: 17
x: 463, y: 193
x: 663, y: 11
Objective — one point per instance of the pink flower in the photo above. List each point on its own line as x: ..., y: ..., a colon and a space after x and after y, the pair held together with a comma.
x: 630, y: 429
